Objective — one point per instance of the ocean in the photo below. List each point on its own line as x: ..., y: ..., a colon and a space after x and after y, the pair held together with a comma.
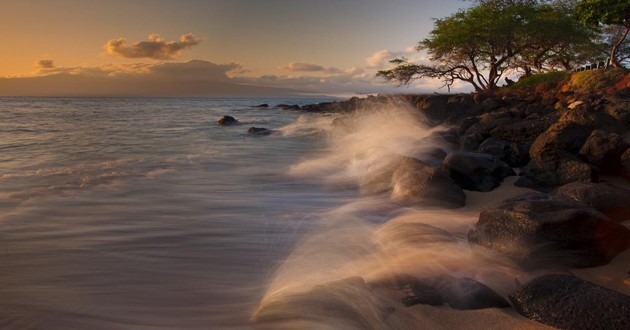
x: 143, y: 213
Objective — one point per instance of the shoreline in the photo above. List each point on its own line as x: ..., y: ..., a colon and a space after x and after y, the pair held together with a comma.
x: 495, y: 135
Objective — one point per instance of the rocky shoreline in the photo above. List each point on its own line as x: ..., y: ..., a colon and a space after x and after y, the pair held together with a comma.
x: 571, y: 147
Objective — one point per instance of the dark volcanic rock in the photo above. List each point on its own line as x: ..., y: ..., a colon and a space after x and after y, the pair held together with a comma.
x: 414, y: 182
x: 227, y: 121
x: 554, y: 168
x: 610, y: 200
x: 538, y: 229
x: 264, y: 105
x: 470, y: 142
x: 288, y: 106
x: 459, y: 293
x: 566, y: 302
x: 604, y: 150
x: 420, y: 294
x: 259, y: 131
x: 512, y: 153
x: 465, y: 293
x: 524, y: 130
x: 476, y: 171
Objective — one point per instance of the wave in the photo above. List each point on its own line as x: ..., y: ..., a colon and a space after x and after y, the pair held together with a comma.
x: 333, y: 279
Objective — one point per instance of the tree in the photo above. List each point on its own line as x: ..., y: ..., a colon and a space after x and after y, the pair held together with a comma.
x: 555, y: 40
x: 479, y: 45
x: 607, y: 12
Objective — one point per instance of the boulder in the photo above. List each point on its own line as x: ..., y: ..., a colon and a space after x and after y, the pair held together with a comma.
x: 470, y: 142
x: 459, y: 293
x: 603, y: 150
x: 476, y: 171
x: 264, y: 105
x: 259, y: 131
x: 555, y: 168
x: 227, y: 121
x: 612, y: 201
x: 524, y: 130
x: 537, y: 230
x: 566, y: 302
x: 512, y: 153
x: 414, y: 182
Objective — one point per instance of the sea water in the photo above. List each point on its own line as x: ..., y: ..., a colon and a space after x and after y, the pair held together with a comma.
x: 143, y: 213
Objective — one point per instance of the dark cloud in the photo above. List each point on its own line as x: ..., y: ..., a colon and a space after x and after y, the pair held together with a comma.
x: 45, y: 64
x: 303, y: 67
x: 154, y: 47
x: 192, y: 78
x: 309, y: 67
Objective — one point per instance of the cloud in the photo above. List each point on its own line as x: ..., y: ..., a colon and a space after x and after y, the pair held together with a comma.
x: 153, y: 48
x: 309, y: 67
x: 191, y: 78
x: 45, y: 64
x: 381, y: 58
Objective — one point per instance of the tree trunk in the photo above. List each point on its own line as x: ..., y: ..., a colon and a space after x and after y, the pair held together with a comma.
x: 615, y: 47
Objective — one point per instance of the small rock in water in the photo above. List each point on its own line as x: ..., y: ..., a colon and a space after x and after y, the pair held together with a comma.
x: 227, y: 121
x: 465, y: 293
x: 259, y: 131
x: 264, y: 105
x: 567, y: 302
x: 459, y: 293
x: 288, y: 106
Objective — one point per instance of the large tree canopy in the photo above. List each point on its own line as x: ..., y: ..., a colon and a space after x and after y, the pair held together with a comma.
x: 608, y: 12
x: 479, y: 45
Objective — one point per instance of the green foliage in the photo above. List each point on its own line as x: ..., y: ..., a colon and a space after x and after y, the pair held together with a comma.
x: 608, y: 12
x: 479, y: 45
x: 547, y: 80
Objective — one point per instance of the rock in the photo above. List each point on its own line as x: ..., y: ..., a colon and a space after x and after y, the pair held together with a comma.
x: 459, y: 293
x: 476, y: 171
x: 227, y: 121
x: 555, y: 168
x: 470, y: 142
x: 524, y: 130
x: 538, y: 229
x: 414, y: 182
x: 319, y: 107
x: 466, y: 293
x: 288, y: 106
x: 604, y: 150
x: 512, y: 153
x: 574, y: 105
x: 566, y: 302
x: 495, y: 147
x: 259, y: 131
x: 612, y: 201
x: 421, y: 294
x: 264, y: 105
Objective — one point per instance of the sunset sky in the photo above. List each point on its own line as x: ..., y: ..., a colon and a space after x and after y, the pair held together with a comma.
x: 155, y: 47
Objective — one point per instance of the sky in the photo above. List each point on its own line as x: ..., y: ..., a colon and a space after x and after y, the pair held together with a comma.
x: 214, y: 47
